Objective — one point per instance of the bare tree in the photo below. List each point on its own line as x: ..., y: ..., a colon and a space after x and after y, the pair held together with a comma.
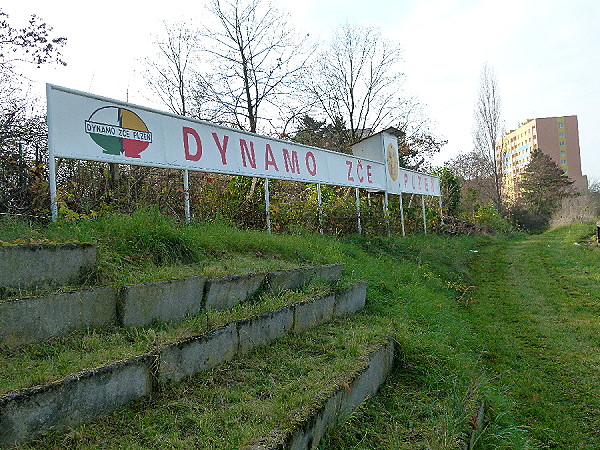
x: 420, y: 142
x: 255, y: 60
x: 476, y: 176
x: 355, y: 80
x: 32, y: 43
x: 173, y: 73
x: 487, y: 129
x: 23, y: 136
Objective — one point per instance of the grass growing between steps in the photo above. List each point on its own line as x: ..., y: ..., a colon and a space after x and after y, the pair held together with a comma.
x: 36, y: 364
x: 238, y: 402
x: 147, y: 246
x: 509, y: 320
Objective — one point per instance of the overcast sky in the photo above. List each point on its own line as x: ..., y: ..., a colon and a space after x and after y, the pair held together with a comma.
x: 545, y: 53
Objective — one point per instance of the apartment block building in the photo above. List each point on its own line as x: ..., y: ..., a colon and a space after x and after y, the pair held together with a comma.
x: 558, y: 137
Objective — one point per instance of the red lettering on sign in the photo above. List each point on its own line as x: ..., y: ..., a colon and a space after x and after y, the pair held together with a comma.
x: 349, y: 164
x: 250, y: 154
x: 312, y: 170
x: 419, y: 177
x: 187, y: 132
x: 369, y: 174
x: 222, y: 147
x: 291, y: 163
x: 413, y: 181
x: 270, y: 158
x: 359, y: 166
x: 405, y: 179
x: 426, y: 184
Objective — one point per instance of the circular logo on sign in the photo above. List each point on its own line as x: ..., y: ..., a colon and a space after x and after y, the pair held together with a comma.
x: 118, y: 131
x: 391, y: 157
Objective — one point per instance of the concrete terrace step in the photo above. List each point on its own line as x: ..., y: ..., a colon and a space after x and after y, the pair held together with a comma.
x: 85, y: 396
x: 36, y: 266
x: 36, y: 319
x: 286, y: 395
x: 310, y: 425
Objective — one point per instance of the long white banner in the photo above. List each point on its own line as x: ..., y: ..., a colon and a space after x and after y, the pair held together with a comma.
x: 84, y: 126
x: 89, y: 127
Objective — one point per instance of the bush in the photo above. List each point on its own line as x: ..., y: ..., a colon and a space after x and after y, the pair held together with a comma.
x: 526, y: 220
x: 488, y: 216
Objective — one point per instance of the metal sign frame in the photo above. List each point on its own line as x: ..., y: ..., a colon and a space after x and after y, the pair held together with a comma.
x: 90, y: 127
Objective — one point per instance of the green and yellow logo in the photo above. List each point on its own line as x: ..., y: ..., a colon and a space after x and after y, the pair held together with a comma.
x: 118, y: 131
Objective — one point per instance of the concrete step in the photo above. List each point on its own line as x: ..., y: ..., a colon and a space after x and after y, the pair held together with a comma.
x: 36, y: 319
x: 90, y: 394
x: 285, y: 395
x: 39, y: 266
x: 310, y: 425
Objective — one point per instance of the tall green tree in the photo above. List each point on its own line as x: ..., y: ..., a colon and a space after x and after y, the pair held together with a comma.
x: 542, y: 186
x: 318, y: 133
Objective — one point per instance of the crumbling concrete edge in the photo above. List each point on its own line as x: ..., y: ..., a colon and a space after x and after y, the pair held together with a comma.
x: 77, y: 399
x: 44, y: 265
x: 192, y: 355
x: 308, y: 428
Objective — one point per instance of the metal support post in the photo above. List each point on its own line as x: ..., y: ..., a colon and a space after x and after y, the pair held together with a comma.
x: 186, y: 195
x: 52, y: 178
x: 51, y: 161
x: 358, y: 210
x: 424, y: 215
x: 267, y: 205
x: 320, y: 208
x: 386, y: 213
x: 402, y: 215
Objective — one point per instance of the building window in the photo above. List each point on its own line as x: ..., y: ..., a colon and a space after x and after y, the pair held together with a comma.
x: 561, y: 134
x: 563, y: 161
x: 563, y: 152
x: 562, y: 143
x: 561, y: 125
x: 564, y: 171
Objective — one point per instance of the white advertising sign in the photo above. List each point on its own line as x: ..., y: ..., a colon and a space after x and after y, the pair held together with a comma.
x: 412, y: 182
x: 408, y: 181
x: 88, y: 127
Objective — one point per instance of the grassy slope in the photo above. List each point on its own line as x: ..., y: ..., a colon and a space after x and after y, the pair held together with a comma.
x: 525, y: 339
x: 532, y: 323
x: 538, y: 310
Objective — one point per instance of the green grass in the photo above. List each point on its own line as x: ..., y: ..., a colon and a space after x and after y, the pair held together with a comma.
x: 529, y: 334
x: 39, y: 363
x: 238, y: 402
x: 149, y: 247
x: 538, y: 318
x: 509, y: 320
